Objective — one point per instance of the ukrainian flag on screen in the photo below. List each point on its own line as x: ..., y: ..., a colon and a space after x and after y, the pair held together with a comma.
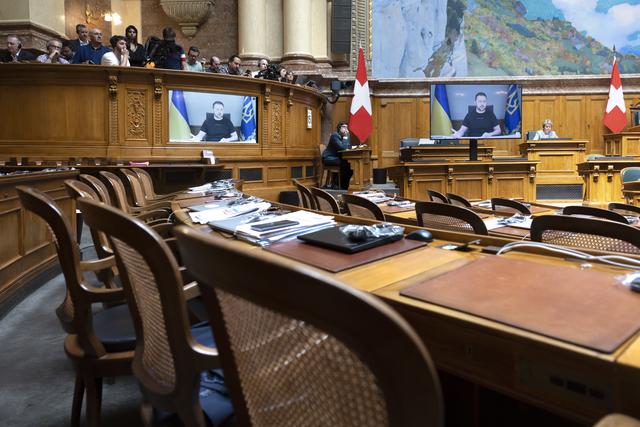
x: 248, y: 125
x: 512, y: 111
x: 178, y: 118
x: 440, y: 113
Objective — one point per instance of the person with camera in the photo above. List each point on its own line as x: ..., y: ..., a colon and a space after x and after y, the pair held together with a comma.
x: 14, y: 51
x: 331, y: 155
x: 91, y: 53
x: 120, y: 54
x: 53, y: 55
x: 166, y: 53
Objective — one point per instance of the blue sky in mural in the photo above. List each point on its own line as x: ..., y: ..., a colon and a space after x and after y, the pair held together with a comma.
x: 447, y: 38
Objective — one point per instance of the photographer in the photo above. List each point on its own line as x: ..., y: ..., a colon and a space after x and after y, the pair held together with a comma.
x: 166, y: 53
x: 271, y: 72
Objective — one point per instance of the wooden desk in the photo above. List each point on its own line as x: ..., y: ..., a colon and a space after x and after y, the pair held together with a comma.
x: 360, y: 161
x: 622, y: 144
x: 570, y: 380
x: 556, y: 171
x: 443, y: 153
x: 602, y: 179
x: 473, y: 180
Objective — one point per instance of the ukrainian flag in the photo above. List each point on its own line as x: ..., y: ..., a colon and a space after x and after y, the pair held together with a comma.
x: 440, y: 113
x: 178, y: 118
x: 248, y: 125
x: 512, y: 117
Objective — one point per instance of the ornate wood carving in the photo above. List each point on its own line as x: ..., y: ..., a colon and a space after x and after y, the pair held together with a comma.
x: 136, y: 114
x: 157, y: 110
x: 450, y: 174
x: 532, y: 173
x: 596, y: 173
x: 113, y: 110
x: 157, y: 91
x: 290, y: 99
x: 113, y: 86
x: 188, y: 13
x: 267, y: 95
x: 490, y: 176
x: 609, y: 173
x: 276, y: 123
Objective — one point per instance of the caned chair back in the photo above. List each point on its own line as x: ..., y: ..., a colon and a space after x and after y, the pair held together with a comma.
x: 165, y: 362
x: 587, y: 233
x: 449, y: 217
x: 299, y: 348
x: 458, y: 200
x: 508, y: 205
x: 436, y: 196
x: 306, y: 198
x: 98, y: 186
x: 118, y: 190
x: 624, y: 209
x: 362, y: 208
x: 594, y: 212
x: 325, y: 201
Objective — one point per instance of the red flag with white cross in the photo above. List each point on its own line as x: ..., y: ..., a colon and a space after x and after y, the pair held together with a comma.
x: 360, y: 121
x: 615, y: 116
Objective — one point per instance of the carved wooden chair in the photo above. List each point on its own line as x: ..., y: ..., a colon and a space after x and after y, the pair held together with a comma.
x: 306, y: 198
x: 435, y: 196
x: 118, y: 191
x: 362, y: 208
x: 449, y: 217
x: 168, y: 360
x: 149, y: 190
x: 588, y: 233
x: 594, y: 212
x: 307, y: 350
x: 138, y: 194
x: 325, y: 201
x: 458, y: 200
x: 508, y: 205
x: 99, y: 344
x: 624, y: 209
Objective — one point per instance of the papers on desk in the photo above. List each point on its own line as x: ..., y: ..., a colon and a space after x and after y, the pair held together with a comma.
x: 220, y: 212
x: 374, y: 196
x: 517, y: 221
x: 302, y: 222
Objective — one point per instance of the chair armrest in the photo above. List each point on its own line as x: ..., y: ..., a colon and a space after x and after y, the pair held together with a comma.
x: 204, y: 357
x: 98, y: 264
x: 155, y: 214
x: 108, y: 295
x: 191, y: 290
x: 161, y: 204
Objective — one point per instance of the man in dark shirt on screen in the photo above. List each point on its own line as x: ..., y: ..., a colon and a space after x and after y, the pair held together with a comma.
x: 479, y: 122
x: 217, y: 127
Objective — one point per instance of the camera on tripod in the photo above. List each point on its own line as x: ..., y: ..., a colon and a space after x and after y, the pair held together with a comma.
x: 272, y: 72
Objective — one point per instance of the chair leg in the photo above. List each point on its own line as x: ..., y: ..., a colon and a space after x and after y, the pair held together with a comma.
x: 94, y: 401
x: 146, y: 413
x: 191, y: 415
x: 76, y: 406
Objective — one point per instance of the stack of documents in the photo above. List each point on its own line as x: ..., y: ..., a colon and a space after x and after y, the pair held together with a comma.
x: 220, y: 211
x: 285, y: 227
x: 374, y: 196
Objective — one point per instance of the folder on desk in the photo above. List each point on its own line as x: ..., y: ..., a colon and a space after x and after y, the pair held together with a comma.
x: 333, y: 238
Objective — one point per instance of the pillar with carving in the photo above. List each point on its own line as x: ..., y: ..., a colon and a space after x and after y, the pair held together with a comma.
x: 297, y: 34
x: 252, y: 25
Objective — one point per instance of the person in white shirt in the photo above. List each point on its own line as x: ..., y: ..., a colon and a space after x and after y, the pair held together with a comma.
x: 120, y: 54
x: 546, y: 132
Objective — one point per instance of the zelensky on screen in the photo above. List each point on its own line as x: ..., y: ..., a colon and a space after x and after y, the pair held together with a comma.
x: 476, y: 111
x: 206, y: 117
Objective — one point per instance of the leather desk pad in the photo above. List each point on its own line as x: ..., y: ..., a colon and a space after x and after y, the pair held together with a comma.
x: 511, y: 231
x: 587, y: 308
x: 334, y: 261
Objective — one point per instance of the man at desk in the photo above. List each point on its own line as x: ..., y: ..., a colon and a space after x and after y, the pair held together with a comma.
x: 217, y: 127
x: 480, y: 122
x: 331, y: 157
x: 546, y: 132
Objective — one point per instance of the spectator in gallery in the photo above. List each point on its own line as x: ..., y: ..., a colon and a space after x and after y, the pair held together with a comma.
x: 479, y: 122
x: 53, y: 55
x: 339, y: 141
x: 233, y: 66
x: 83, y: 37
x: 120, y: 54
x: 91, y: 53
x: 546, y: 132
x: 67, y: 51
x: 290, y: 77
x: 192, y: 63
x: 14, y: 52
x: 283, y: 74
x: 166, y: 53
x: 215, y: 65
x: 137, y: 55
x: 217, y: 127
x: 262, y: 68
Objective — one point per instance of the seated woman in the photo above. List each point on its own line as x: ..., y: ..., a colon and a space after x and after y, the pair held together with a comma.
x: 546, y: 132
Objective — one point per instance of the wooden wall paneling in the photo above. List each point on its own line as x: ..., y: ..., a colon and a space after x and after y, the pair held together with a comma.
x: 594, y: 113
x: 470, y: 187
x: 423, y: 117
x: 548, y: 108
x: 509, y: 187
x: 11, y: 245
x: 278, y: 176
x: 529, y: 113
x: 137, y: 105
x: 573, y: 124
x: 398, y: 119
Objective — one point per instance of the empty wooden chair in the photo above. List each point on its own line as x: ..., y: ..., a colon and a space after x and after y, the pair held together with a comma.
x: 168, y: 360
x: 138, y: 194
x: 594, y: 212
x: 435, y: 196
x: 630, y: 178
x: 458, y: 200
x: 508, y: 205
x: 362, y: 208
x: 149, y: 190
x: 624, y: 209
x: 306, y: 198
x: 99, y: 344
x: 588, y: 233
x: 325, y: 201
x: 307, y: 350
x: 449, y: 217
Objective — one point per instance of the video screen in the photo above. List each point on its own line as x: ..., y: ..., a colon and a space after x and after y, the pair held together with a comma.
x: 476, y: 111
x: 206, y: 117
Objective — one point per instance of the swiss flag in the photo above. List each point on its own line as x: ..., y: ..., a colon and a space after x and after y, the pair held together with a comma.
x: 360, y: 123
x: 615, y: 117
